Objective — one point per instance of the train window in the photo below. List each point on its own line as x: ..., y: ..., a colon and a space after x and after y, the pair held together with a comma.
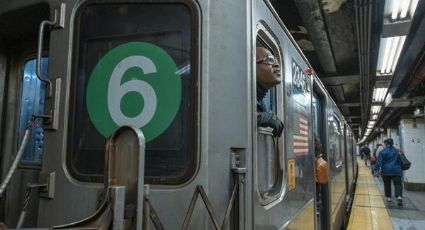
x: 135, y: 64
x: 317, y: 115
x: 32, y: 103
x: 269, y: 152
x: 335, y: 142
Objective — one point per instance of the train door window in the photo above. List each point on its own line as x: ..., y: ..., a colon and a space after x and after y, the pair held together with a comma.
x: 135, y: 64
x: 269, y: 167
x: 32, y: 103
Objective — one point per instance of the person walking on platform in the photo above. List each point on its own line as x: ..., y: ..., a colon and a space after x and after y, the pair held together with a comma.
x: 374, y: 156
x: 366, y: 152
x: 389, y: 164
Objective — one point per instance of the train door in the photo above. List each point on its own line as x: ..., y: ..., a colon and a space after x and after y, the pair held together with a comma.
x: 269, y: 185
x: 268, y: 158
x: 337, y: 172
x: 283, y: 188
x: 322, y: 190
x: 22, y: 106
x: 348, y: 160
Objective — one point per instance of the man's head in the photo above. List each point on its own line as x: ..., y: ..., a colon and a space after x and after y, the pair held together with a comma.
x: 268, y: 69
x: 389, y: 142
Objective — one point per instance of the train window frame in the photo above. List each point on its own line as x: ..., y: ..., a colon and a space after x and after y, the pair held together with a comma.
x: 193, y: 115
x: 265, y: 36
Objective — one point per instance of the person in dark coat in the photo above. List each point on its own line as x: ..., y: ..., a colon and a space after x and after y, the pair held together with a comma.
x: 389, y: 164
x: 366, y: 153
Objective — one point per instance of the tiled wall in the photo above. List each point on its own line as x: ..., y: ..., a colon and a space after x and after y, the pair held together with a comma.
x: 412, y: 133
x: 394, y: 134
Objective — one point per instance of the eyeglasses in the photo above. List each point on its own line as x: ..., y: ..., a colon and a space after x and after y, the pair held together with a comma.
x: 268, y: 60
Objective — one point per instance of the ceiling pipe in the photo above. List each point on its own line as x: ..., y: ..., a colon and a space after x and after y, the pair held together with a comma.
x: 311, y: 15
x: 363, y: 11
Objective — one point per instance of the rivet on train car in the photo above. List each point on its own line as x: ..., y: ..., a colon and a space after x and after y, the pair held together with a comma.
x: 308, y: 71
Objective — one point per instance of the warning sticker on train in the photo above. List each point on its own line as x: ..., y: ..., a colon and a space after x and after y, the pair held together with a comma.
x: 134, y: 84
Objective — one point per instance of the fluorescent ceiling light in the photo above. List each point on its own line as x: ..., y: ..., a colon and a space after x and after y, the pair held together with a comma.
x: 395, y: 8
x: 389, y: 53
x: 374, y: 117
x: 394, y: 44
x: 375, y: 109
x: 404, y: 8
x: 397, y: 54
x: 400, y: 9
x: 384, y: 52
x: 371, y: 123
x: 413, y: 7
x: 379, y: 94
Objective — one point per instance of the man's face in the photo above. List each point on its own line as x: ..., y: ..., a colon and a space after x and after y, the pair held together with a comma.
x: 268, y: 74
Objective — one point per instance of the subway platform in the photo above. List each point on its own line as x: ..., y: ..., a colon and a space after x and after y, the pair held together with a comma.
x: 369, y: 211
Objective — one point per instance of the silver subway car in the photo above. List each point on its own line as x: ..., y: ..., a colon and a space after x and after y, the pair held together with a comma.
x: 142, y: 114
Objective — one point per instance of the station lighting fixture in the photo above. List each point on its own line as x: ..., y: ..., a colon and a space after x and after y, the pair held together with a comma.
x: 400, y: 8
x: 376, y: 109
x: 371, y: 123
x: 389, y: 52
x: 398, y: 15
x: 379, y: 94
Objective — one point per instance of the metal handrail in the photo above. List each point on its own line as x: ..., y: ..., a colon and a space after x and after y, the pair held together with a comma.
x: 39, y: 51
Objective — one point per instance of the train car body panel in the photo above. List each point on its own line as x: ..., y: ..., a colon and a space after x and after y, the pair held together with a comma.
x: 207, y: 135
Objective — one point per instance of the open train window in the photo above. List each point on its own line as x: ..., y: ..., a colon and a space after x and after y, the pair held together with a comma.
x: 269, y: 154
x: 135, y: 64
x: 32, y: 103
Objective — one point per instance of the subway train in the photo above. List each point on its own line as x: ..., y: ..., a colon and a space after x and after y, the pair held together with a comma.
x: 142, y: 114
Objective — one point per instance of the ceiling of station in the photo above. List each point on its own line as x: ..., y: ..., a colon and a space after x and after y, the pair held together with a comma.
x: 341, y: 39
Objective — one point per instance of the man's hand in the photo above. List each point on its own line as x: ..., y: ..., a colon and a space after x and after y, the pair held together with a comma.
x: 265, y: 119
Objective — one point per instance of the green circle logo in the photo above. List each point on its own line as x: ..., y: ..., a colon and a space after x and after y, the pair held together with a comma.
x: 134, y: 84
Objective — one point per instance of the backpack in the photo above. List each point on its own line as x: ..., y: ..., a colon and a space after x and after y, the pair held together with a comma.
x: 322, y: 171
x: 405, y: 163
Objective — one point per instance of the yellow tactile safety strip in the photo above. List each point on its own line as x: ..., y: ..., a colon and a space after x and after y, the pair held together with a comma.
x: 368, y: 210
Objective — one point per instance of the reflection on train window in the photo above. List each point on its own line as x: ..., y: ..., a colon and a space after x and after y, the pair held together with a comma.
x: 317, y: 116
x: 335, y: 142
x: 269, y: 169
x: 151, y: 47
x: 32, y: 103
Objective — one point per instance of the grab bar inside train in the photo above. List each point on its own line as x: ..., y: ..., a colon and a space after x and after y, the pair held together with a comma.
x: 18, y: 157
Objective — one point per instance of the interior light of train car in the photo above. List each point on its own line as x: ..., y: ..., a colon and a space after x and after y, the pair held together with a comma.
x: 374, y: 117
